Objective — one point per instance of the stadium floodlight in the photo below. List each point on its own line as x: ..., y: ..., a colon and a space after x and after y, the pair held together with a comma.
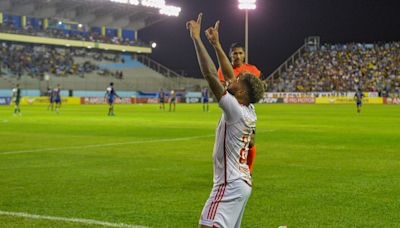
x: 131, y: 2
x: 247, y: 5
x: 153, y: 44
x: 153, y: 3
x: 170, y: 10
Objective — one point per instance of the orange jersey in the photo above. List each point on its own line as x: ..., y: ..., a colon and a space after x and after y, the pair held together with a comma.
x: 243, y: 68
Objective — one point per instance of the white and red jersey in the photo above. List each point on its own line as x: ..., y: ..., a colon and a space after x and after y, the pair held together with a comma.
x: 233, y: 136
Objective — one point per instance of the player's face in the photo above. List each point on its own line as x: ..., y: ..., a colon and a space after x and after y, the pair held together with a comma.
x: 237, y: 87
x: 237, y: 56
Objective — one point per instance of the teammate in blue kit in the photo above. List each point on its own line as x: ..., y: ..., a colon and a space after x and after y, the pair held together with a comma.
x: 57, y: 97
x: 161, y: 96
x: 110, y: 96
x: 204, y: 99
x: 358, y: 96
x: 16, y: 97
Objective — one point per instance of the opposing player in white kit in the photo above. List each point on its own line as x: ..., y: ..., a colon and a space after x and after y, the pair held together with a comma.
x: 235, y: 131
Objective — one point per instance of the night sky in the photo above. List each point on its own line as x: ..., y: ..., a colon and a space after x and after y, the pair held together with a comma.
x: 276, y: 28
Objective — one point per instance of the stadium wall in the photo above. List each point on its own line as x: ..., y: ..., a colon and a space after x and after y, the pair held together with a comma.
x: 31, y: 97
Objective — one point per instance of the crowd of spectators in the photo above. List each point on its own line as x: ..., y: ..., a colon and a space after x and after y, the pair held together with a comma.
x: 371, y: 67
x: 38, y: 60
x: 92, y: 36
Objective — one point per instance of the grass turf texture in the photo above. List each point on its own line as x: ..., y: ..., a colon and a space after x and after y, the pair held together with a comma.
x: 316, y: 165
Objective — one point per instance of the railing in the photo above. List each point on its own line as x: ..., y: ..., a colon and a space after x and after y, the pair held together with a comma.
x: 310, y: 42
x: 158, y: 67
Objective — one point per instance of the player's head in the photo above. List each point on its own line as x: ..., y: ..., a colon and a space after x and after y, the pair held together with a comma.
x: 111, y: 83
x: 17, y: 85
x: 247, y: 88
x: 237, y: 53
x: 58, y: 85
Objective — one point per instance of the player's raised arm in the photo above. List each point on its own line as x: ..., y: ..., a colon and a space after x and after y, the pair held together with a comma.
x: 212, y: 35
x: 206, y: 64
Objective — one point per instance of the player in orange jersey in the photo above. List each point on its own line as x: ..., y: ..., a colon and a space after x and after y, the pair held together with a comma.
x: 237, y: 56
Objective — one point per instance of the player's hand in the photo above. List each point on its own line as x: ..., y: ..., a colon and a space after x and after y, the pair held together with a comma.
x: 194, y: 27
x: 213, y: 35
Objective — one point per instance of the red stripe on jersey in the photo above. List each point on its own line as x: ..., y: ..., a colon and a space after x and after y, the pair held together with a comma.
x: 213, y: 202
x: 225, y: 151
x: 218, y: 201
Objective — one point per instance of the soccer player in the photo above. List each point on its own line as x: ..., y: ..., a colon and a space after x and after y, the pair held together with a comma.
x: 161, y: 98
x: 237, y: 54
x: 172, y: 100
x: 16, y: 97
x: 358, y: 96
x: 110, y: 95
x: 57, y: 97
x: 232, y: 179
x: 204, y: 99
x: 50, y: 94
x: 237, y: 57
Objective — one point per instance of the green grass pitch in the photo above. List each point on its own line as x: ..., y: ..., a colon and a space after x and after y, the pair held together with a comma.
x: 316, y: 165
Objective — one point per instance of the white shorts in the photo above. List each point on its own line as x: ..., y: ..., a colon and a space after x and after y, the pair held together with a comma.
x: 225, y: 206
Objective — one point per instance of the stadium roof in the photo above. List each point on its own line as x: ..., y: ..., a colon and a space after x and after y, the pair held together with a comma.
x: 94, y: 13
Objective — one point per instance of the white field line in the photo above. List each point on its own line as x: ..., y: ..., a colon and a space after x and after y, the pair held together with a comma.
x: 112, y: 144
x: 103, y: 145
x: 63, y: 219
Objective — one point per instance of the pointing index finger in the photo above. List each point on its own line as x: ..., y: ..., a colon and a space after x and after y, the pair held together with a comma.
x: 216, y: 27
x: 199, y: 18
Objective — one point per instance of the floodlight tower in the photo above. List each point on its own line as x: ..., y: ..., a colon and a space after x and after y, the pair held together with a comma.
x: 247, y: 5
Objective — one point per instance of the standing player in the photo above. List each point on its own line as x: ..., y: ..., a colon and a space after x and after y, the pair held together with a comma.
x: 204, y: 99
x: 237, y: 56
x: 57, y: 97
x: 16, y: 97
x: 358, y: 96
x: 232, y: 179
x: 172, y: 99
x: 50, y: 94
x: 162, y: 97
x: 110, y: 97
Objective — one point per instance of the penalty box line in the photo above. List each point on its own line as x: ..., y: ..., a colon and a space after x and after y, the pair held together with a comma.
x: 64, y: 219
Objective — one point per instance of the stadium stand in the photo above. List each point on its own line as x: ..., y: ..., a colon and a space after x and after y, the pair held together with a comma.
x: 341, y: 67
x: 74, y: 48
x: 40, y: 66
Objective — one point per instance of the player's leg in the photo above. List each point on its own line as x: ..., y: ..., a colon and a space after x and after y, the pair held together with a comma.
x: 57, y: 106
x: 109, y: 109
x: 230, y: 212
x: 17, y: 108
x: 226, y: 207
x: 205, y: 217
x: 174, y: 105
x: 112, y: 109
